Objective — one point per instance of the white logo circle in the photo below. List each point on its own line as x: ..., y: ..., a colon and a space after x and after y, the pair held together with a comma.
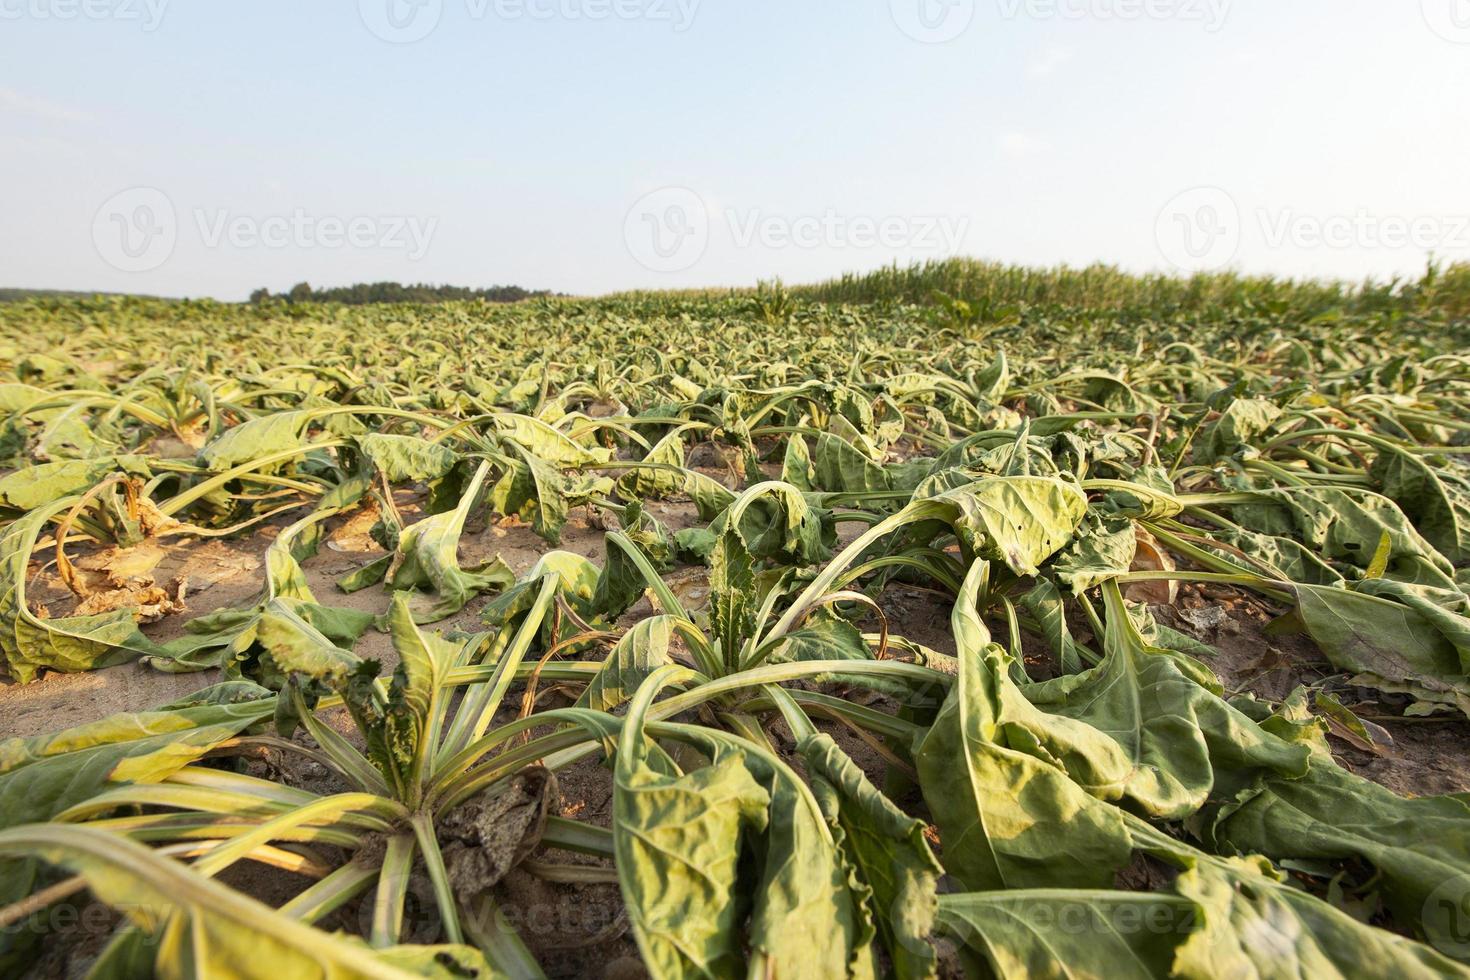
x: 1450, y: 19
x: 1199, y: 230
x: 136, y: 230
x: 401, y: 21
x: 668, y: 230
x: 933, y: 21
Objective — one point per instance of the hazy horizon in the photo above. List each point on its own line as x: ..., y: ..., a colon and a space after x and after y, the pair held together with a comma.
x: 1404, y: 278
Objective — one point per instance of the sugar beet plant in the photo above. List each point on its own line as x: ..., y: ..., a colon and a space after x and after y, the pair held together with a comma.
x: 1056, y: 784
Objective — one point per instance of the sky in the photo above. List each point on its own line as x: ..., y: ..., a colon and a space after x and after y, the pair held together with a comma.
x: 211, y: 147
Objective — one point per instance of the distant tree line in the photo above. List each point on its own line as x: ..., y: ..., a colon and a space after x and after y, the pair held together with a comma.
x: 394, y: 292
x: 20, y: 295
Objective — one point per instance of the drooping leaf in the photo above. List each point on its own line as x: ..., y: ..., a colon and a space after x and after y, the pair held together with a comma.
x: 1385, y: 643
x: 1067, y: 934
x: 31, y: 643
x: 43, y: 775
x: 537, y: 490
x: 621, y: 582
x: 418, y: 683
x: 657, y: 480
x: 254, y: 438
x: 1007, y: 819
x: 887, y: 847
x: 808, y: 917
x: 576, y: 578
x: 824, y: 636
x: 428, y: 558
x: 1255, y: 925
x: 1146, y: 725
x: 1346, y: 524
x: 1045, y: 604
x: 402, y: 458
x: 45, y: 483
x: 677, y: 838
x: 1420, y: 847
x: 641, y: 651
x: 1103, y: 549
x: 546, y: 442
x: 1243, y: 422
x: 838, y: 465
x: 796, y: 465
x: 206, y: 929
x: 1439, y: 508
x: 1019, y: 520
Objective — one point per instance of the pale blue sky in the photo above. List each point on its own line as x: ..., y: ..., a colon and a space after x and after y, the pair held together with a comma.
x: 535, y: 142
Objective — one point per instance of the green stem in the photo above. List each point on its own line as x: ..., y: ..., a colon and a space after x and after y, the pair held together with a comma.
x: 423, y: 830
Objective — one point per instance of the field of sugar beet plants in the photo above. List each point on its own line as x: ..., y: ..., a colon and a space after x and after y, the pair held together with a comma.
x: 951, y: 621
